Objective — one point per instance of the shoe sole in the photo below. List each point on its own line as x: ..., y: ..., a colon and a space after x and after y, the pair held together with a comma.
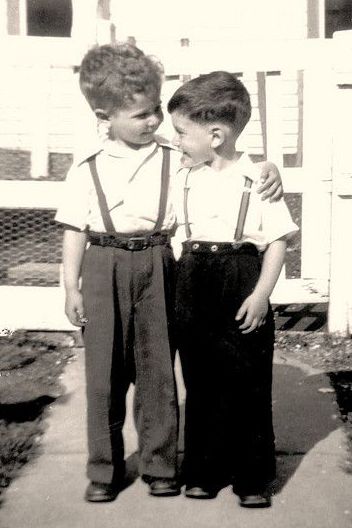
x: 266, y: 504
x: 199, y: 497
x: 93, y: 499
x: 100, y: 498
x: 170, y: 493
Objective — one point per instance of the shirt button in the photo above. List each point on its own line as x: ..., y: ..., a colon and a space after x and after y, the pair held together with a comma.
x: 214, y: 248
x: 195, y: 246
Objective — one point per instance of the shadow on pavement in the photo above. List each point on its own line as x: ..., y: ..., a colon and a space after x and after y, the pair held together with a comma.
x: 305, y: 412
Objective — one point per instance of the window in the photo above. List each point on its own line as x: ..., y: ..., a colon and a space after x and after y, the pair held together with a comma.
x: 338, y: 16
x: 49, y: 18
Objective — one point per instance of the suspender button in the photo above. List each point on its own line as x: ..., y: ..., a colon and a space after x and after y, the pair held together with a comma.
x: 195, y: 246
x: 214, y: 248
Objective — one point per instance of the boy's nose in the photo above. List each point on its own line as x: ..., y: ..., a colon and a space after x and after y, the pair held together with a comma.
x: 155, y: 120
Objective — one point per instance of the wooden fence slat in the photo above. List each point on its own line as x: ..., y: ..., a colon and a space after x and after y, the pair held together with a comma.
x: 262, y: 110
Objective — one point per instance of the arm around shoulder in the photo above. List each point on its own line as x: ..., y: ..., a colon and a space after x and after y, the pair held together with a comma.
x: 270, y: 177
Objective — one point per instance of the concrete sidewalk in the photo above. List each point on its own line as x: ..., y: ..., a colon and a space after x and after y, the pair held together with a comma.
x: 312, y: 490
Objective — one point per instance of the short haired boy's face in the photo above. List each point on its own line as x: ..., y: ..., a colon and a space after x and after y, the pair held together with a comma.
x: 136, y: 123
x: 192, y: 139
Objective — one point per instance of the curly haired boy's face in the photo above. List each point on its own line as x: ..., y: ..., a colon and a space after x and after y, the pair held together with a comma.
x: 136, y: 123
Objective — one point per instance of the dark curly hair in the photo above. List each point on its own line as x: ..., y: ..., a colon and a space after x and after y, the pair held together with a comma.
x: 217, y: 96
x: 110, y: 75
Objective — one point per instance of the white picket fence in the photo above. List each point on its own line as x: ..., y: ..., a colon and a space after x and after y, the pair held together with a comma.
x: 301, y: 94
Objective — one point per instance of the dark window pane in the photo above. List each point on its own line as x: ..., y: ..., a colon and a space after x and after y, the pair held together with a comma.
x: 49, y: 18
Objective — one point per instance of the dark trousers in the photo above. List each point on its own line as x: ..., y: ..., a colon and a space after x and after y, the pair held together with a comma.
x: 227, y: 374
x: 128, y: 299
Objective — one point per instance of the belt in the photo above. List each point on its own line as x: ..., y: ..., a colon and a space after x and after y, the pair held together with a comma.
x: 130, y: 243
x: 199, y: 246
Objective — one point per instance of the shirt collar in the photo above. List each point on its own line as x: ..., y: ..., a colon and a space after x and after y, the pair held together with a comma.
x: 120, y: 150
x: 244, y: 166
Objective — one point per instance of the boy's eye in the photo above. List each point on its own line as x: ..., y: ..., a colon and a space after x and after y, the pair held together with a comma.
x: 145, y: 115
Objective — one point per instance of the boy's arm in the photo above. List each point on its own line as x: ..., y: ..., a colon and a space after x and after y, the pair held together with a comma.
x: 271, y: 181
x: 255, y: 307
x: 74, y: 245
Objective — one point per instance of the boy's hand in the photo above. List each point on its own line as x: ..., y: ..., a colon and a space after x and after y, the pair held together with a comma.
x: 271, y: 181
x: 74, y: 308
x: 253, y: 311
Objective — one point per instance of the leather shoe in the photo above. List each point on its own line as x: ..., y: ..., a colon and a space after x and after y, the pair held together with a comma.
x: 163, y: 487
x: 256, y: 500
x: 197, y: 492
x: 101, y: 492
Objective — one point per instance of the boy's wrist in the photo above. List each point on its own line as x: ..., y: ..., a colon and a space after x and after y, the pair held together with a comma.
x: 262, y: 293
x: 72, y: 288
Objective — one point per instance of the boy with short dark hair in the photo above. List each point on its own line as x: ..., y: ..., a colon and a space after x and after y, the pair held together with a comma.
x: 232, y: 256
x: 119, y: 220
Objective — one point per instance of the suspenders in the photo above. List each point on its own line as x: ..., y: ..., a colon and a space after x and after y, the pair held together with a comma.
x: 104, y: 210
x: 241, y: 214
x: 243, y: 209
x: 165, y: 177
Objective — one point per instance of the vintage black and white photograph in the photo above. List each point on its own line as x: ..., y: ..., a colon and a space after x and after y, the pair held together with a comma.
x: 175, y: 264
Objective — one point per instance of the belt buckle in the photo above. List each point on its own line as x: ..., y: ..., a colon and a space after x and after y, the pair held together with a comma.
x: 133, y: 243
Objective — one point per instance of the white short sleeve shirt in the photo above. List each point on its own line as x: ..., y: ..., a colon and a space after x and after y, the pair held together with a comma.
x: 131, y: 182
x: 213, y: 205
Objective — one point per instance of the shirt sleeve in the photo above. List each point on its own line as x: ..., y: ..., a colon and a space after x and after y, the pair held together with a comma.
x: 276, y: 221
x: 73, y: 207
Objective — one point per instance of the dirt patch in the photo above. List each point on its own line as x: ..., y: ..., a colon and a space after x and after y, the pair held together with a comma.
x: 31, y: 365
x: 318, y: 350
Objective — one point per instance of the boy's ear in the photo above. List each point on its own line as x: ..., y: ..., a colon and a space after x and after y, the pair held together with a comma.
x: 217, y: 136
x: 101, y: 114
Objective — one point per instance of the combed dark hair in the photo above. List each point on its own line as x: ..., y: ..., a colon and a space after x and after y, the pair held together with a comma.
x: 217, y: 96
x: 110, y: 75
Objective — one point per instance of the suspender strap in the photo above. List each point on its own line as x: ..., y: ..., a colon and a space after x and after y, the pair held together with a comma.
x: 241, y: 214
x: 243, y: 209
x: 109, y: 226
x: 165, y: 179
